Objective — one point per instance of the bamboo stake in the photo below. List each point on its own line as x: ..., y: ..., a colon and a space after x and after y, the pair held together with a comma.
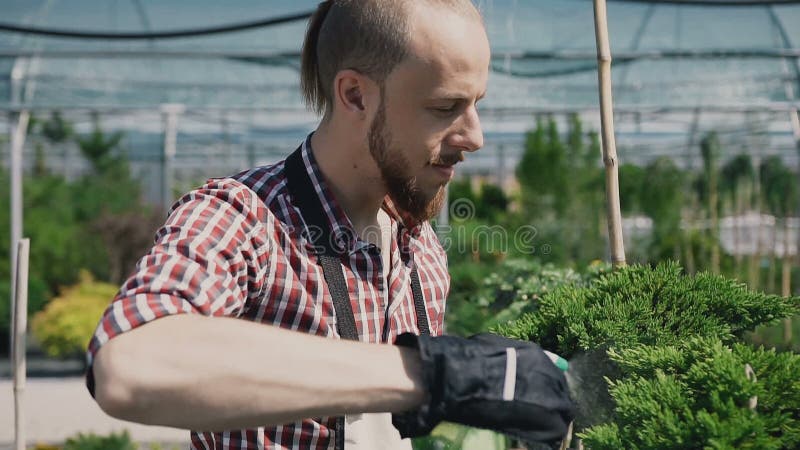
x: 713, y: 205
x: 609, y: 149
x: 20, y: 325
x: 568, y: 439
x: 786, y: 279
x: 609, y: 144
x: 773, y: 263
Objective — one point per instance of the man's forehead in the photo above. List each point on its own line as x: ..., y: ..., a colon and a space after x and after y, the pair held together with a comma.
x: 448, y: 54
x: 439, y: 29
x: 421, y: 77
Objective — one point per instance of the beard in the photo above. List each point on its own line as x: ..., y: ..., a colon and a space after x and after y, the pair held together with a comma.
x: 403, y: 187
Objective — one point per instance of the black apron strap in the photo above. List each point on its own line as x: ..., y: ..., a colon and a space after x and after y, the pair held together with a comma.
x: 345, y: 319
x: 305, y: 197
x: 419, y: 303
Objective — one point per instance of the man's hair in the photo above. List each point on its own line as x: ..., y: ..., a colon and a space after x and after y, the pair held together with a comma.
x: 369, y: 36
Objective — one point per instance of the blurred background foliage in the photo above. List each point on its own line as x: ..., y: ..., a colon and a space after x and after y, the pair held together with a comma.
x: 96, y: 222
x: 114, y: 441
x: 65, y: 324
x: 671, y: 212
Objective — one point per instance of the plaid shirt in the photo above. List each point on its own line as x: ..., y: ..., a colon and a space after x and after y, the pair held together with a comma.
x: 236, y: 247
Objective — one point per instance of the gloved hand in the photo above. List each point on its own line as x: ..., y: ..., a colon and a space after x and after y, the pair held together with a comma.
x: 488, y: 381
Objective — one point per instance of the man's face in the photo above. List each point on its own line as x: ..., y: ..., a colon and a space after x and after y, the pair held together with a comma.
x: 428, y: 118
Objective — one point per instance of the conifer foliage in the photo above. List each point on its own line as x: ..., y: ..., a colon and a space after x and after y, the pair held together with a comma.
x: 643, y: 305
x: 697, y: 394
x: 676, y: 368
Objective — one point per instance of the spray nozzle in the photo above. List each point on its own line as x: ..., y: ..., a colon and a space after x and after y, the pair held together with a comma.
x: 560, y: 362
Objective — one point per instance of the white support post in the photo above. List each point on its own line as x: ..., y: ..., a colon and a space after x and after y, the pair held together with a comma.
x: 170, y: 112
x: 20, y: 321
x: 19, y: 128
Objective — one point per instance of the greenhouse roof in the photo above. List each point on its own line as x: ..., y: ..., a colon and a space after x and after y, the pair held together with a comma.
x: 681, y: 68
x: 669, y: 53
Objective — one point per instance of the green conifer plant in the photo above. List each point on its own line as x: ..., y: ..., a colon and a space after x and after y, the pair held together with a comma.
x: 644, y: 305
x: 699, y: 394
x: 664, y: 343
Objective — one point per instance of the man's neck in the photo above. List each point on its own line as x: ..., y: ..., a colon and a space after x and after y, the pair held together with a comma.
x: 351, y: 173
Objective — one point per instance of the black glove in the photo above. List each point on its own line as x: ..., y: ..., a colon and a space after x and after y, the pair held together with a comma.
x: 467, y: 383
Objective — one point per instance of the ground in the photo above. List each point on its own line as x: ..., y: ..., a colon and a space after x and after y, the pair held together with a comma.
x: 57, y: 408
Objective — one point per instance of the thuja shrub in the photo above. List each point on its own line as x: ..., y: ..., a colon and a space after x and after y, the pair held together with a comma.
x: 644, y: 305
x: 65, y: 325
x: 698, y: 394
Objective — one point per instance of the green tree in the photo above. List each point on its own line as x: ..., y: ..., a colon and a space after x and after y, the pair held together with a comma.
x: 735, y: 174
x: 661, y: 197
x: 56, y: 129
x: 710, y: 151
x: 780, y: 192
x: 631, y: 180
x: 110, y: 188
x: 778, y: 186
x: 492, y: 204
x: 461, y: 189
x: 737, y: 187
x: 562, y: 188
x: 533, y: 168
x: 99, y: 148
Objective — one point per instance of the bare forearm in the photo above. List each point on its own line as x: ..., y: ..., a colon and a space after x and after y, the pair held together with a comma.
x: 219, y: 373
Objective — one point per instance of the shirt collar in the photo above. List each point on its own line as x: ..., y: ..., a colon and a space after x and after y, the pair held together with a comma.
x: 343, y: 232
x: 405, y: 221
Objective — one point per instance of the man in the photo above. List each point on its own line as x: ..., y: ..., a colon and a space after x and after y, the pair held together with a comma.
x: 344, y: 217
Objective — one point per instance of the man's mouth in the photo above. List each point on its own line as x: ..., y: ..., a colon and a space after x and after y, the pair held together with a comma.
x: 444, y: 164
x: 445, y: 167
x: 449, y: 160
x: 446, y: 171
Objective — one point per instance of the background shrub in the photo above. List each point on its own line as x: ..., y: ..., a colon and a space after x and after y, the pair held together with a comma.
x: 66, y: 324
x: 483, y: 295
x: 114, y: 441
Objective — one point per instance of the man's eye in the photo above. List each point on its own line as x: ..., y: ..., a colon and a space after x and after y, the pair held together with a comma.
x: 445, y: 109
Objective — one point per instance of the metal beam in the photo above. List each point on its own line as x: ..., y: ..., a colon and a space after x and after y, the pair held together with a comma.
x: 715, y: 2
x: 732, y: 108
x: 498, y: 55
x: 637, y: 40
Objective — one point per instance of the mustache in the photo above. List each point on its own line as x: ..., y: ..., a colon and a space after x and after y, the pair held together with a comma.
x: 448, y: 159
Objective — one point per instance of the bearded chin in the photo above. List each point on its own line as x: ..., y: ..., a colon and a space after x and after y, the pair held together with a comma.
x: 401, y: 186
x: 410, y: 199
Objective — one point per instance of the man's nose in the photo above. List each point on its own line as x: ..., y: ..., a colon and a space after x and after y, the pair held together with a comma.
x: 470, y: 137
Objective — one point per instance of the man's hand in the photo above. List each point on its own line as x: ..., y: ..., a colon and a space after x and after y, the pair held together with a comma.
x: 489, y: 381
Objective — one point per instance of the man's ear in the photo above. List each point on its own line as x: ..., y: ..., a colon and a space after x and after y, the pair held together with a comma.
x: 351, y: 91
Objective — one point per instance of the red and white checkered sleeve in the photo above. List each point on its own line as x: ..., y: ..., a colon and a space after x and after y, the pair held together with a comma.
x: 208, y: 258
